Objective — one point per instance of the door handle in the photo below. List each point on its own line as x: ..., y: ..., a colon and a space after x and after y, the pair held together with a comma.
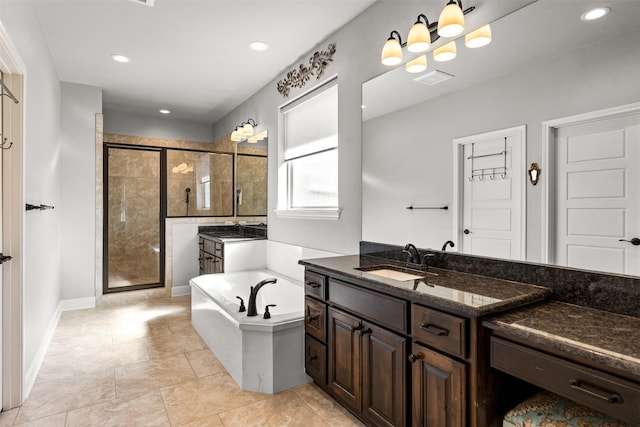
x: 635, y: 241
x: 4, y: 258
x: 467, y: 231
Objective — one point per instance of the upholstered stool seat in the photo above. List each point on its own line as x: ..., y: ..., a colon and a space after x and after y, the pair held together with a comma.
x: 549, y: 410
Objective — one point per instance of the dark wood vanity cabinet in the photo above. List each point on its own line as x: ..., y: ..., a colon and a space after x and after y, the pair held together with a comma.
x: 211, y: 256
x: 388, y: 361
x: 438, y: 389
x: 367, y: 368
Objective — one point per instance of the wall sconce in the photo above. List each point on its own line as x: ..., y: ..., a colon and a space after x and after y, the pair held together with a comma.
x: 423, y: 34
x: 244, y: 131
x: 534, y: 173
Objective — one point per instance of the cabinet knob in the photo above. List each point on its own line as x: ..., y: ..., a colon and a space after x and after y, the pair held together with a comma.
x: 364, y: 331
x: 413, y: 358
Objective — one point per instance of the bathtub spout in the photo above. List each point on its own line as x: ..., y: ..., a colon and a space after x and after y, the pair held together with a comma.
x: 251, y: 309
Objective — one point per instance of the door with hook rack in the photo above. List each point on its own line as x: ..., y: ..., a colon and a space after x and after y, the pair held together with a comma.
x: 492, y: 194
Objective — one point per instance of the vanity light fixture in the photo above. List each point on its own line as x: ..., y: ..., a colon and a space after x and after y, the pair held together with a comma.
x: 445, y: 52
x: 478, y: 38
x: 417, y: 65
x: 258, y: 137
x: 244, y: 131
x: 534, y: 173
x: 451, y: 21
x: 422, y: 34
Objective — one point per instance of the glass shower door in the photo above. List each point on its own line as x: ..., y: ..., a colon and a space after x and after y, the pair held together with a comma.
x: 133, y: 219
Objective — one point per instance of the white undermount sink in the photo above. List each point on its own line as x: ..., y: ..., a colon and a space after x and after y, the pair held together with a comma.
x: 394, y: 274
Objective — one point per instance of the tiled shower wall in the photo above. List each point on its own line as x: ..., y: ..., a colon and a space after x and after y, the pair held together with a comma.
x: 252, y: 181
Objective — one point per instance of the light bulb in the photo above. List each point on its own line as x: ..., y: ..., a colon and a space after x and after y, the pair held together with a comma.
x: 451, y: 22
x: 417, y: 65
x: 391, y: 52
x: 445, y: 52
x: 419, y: 39
x: 478, y: 38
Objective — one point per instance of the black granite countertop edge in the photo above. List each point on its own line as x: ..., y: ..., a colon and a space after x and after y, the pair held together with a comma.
x: 537, y: 293
x: 222, y: 237
x: 618, y: 361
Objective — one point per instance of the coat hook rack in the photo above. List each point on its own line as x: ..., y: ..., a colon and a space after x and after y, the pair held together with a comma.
x: 4, y: 142
x: 40, y: 207
x: 7, y: 92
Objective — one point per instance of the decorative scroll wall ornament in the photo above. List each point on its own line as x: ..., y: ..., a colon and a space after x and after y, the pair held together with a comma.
x: 298, y: 77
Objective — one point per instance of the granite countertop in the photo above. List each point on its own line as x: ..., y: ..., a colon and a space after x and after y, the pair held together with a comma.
x: 464, y: 293
x: 226, y: 237
x: 606, y: 338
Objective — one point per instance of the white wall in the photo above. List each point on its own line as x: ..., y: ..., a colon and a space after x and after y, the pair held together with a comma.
x: 122, y: 123
x: 355, y: 61
x: 41, y: 101
x: 417, y: 166
x: 79, y: 106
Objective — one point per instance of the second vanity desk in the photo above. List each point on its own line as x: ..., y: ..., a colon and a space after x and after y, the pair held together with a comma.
x: 405, y: 352
x: 434, y: 351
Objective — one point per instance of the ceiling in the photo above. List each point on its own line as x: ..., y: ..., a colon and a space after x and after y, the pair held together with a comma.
x: 540, y: 31
x: 188, y: 56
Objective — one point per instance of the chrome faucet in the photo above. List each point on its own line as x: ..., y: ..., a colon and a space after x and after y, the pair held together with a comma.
x: 413, y: 254
x: 251, y: 309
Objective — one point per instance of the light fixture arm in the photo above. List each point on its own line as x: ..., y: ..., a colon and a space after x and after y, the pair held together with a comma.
x: 391, y: 37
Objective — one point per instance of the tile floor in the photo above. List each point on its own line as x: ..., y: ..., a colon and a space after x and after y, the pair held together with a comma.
x: 136, y: 361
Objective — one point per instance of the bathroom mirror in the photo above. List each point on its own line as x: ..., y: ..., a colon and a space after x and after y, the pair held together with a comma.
x: 199, y: 183
x: 251, y: 179
x: 543, y: 63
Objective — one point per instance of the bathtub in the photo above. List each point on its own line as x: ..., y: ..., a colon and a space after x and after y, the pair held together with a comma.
x: 261, y: 355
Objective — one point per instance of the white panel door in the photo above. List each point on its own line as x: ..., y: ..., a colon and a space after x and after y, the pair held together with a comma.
x: 598, y: 195
x: 492, y: 201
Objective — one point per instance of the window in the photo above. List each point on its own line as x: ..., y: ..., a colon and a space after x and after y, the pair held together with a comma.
x: 309, y: 173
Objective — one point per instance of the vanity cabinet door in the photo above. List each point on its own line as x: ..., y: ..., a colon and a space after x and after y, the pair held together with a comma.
x: 438, y: 389
x: 384, y: 376
x: 344, y: 358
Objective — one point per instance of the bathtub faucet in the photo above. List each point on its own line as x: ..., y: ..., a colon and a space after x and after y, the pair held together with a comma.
x: 251, y: 309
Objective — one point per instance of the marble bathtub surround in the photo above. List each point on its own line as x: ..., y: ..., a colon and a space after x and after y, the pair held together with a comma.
x: 609, y: 292
x: 125, y: 363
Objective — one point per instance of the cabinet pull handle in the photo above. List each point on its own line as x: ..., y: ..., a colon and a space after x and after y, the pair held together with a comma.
x: 595, y: 391
x: 312, y: 358
x: 357, y: 327
x: 314, y: 285
x: 364, y: 331
x: 413, y: 358
x: 435, y: 330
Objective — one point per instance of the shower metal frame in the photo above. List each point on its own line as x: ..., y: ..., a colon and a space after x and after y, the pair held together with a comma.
x: 105, y: 223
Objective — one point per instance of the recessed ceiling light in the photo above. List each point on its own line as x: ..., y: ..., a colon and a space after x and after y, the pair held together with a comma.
x: 164, y: 111
x: 120, y: 58
x: 259, y: 46
x: 595, y: 13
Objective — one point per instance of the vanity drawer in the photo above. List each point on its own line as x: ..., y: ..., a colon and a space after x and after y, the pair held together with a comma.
x: 214, y: 248
x: 315, y: 284
x: 315, y: 359
x: 382, y: 309
x: 440, y: 330
x: 315, y: 315
x: 595, y: 389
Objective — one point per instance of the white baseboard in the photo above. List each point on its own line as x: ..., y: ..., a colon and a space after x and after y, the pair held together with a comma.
x: 77, y: 303
x: 178, y: 291
x: 34, y: 367
x: 36, y: 363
